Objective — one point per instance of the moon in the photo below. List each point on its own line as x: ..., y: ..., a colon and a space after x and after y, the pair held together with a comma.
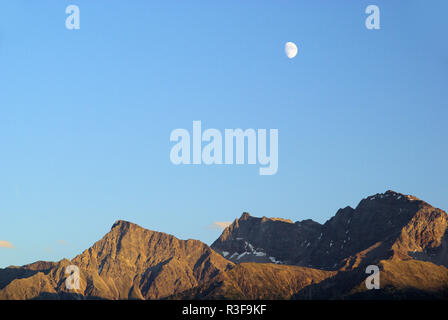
x: 291, y: 49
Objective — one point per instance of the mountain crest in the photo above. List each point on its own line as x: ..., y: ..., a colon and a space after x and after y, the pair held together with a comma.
x: 392, y: 195
x: 245, y: 216
x: 406, y: 237
x: 123, y: 224
x: 128, y: 262
x: 385, y: 224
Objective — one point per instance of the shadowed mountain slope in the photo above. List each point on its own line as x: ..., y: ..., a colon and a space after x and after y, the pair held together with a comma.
x: 260, y: 258
x: 380, y: 227
x: 128, y: 262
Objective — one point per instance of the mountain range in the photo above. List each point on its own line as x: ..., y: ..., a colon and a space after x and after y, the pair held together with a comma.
x: 260, y: 258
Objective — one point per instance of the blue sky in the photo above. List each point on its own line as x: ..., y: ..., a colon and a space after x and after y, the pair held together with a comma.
x: 86, y: 115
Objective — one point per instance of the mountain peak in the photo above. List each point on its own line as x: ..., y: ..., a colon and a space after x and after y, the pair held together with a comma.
x: 404, y: 236
x: 245, y: 216
x: 392, y: 195
x: 264, y: 219
x: 121, y: 223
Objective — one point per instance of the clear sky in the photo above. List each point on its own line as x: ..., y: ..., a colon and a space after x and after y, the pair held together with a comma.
x: 86, y: 115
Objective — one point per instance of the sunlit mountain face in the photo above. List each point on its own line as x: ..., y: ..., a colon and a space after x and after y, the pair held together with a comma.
x: 259, y: 258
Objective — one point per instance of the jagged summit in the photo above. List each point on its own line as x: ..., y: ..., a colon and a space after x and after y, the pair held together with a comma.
x: 129, y: 262
x: 245, y: 216
x: 264, y: 219
x: 122, y: 226
x: 406, y: 237
x: 123, y: 223
x: 391, y: 195
x: 248, y: 216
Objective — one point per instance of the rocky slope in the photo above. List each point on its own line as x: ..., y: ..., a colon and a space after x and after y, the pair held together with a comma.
x: 380, y: 227
x: 261, y: 258
x: 257, y: 281
x: 127, y: 263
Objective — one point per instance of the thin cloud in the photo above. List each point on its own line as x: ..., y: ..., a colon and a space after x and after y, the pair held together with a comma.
x: 62, y: 242
x: 220, y: 225
x: 6, y: 244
